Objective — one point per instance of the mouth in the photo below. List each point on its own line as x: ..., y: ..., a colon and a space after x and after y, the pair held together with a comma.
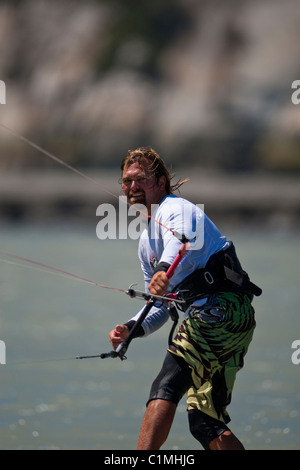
x: 136, y: 196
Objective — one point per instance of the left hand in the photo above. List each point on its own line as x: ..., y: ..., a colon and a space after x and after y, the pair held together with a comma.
x: 118, y: 335
x: 159, y: 283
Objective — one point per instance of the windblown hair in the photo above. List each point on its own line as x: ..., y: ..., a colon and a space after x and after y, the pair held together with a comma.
x: 153, y: 164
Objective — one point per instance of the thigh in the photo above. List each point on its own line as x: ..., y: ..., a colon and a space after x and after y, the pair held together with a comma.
x: 214, y: 334
x: 213, y: 340
x: 173, y: 380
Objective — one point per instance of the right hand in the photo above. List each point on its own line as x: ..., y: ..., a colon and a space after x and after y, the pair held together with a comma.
x: 118, y: 335
x: 159, y: 283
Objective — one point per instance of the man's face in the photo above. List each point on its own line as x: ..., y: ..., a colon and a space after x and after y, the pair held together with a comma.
x: 140, y: 187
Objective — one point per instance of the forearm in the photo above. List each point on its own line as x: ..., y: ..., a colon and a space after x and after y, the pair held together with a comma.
x: 139, y: 332
x: 156, y: 318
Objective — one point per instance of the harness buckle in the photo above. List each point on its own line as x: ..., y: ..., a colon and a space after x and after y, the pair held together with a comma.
x: 208, y: 277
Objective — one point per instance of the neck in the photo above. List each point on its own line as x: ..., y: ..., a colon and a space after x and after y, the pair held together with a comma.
x: 159, y: 200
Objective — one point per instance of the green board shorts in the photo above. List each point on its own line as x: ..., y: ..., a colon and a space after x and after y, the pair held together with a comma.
x: 213, y: 340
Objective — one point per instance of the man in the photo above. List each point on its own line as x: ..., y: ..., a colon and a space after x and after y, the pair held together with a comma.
x: 210, y: 345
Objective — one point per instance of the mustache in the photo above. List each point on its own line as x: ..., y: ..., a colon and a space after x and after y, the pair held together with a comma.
x: 133, y: 193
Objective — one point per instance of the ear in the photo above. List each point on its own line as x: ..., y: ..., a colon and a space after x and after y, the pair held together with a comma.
x: 162, y: 182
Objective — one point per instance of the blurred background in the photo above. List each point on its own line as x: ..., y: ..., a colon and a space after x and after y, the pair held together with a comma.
x: 208, y: 84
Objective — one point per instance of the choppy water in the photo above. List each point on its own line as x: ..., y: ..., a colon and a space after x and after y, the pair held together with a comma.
x: 50, y: 400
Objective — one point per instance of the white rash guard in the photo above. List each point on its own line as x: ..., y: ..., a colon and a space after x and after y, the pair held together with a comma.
x: 158, y: 244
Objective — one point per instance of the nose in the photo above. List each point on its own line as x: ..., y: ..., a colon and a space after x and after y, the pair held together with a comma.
x: 134, y: 185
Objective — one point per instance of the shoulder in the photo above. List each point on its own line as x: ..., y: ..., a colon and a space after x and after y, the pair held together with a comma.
x: 173, y: 202
x: 180, y: 209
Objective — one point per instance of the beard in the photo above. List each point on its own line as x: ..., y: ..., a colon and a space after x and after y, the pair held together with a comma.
x: 139, y: 204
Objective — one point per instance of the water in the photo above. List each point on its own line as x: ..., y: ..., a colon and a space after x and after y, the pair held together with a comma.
x: 50, y: 400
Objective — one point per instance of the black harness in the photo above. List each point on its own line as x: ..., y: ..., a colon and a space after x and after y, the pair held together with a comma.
x: 222, y: 272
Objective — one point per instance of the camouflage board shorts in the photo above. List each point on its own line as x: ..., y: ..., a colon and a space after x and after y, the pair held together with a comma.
x: 213, y: 340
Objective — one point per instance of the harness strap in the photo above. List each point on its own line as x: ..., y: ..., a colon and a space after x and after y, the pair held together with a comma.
x: 174, y: 317
x: 242, y: 281
x: 223, y: 271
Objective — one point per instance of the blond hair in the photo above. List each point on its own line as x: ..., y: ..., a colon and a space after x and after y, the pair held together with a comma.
x: 152, y: 163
